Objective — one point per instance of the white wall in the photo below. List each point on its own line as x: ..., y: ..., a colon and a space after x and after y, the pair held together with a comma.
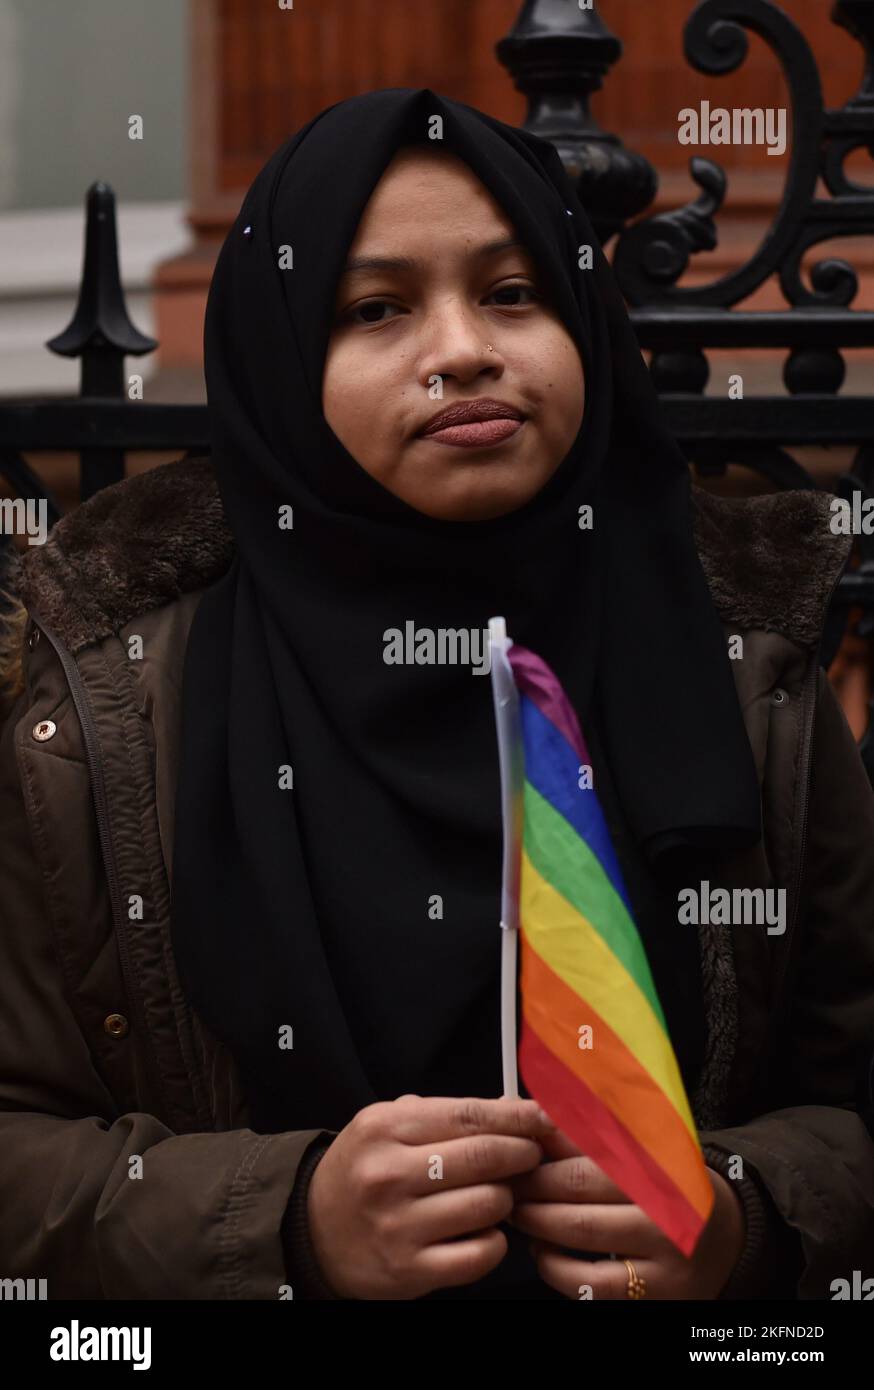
x: 72, y: 72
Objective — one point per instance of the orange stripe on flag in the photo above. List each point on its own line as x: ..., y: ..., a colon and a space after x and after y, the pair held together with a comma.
x: 577, y: 1110
x: 613, y: 1074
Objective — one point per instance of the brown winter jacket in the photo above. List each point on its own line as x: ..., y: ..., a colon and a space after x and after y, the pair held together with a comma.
x: 103, y: 1062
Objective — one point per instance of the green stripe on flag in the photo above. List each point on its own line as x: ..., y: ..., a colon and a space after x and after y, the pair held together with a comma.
x: 564, y: 859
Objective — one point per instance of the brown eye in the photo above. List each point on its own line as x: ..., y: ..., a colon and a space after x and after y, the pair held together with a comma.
x: 508, y: 295
x: 372, y: 311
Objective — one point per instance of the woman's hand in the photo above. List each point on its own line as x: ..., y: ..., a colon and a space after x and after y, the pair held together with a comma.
x: 571, y: 1202
x: 405, y: 1178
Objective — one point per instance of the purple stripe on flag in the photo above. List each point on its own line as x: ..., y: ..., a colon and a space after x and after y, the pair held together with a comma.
x: 534, y: 679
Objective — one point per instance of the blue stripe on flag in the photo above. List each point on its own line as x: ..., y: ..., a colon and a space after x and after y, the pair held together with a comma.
x: 552, y: 767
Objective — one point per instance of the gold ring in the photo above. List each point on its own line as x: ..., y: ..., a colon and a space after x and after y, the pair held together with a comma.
x: 636, y: 1285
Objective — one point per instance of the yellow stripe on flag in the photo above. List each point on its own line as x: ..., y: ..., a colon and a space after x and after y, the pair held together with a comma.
x: 578, y: 954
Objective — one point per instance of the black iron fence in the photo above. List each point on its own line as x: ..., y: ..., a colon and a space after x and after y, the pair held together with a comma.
x: 558, y: 54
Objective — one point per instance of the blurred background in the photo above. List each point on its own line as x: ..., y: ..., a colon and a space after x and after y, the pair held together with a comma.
x: 220, y: 83
x: 70, y: 77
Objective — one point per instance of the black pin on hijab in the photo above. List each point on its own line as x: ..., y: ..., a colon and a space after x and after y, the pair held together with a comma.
x: 357, y: 909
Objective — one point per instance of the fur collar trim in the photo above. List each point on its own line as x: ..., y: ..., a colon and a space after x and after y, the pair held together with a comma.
x: 770, y: 561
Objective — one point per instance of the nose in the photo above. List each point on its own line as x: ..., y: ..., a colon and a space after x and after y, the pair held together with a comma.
x: 455, y: 343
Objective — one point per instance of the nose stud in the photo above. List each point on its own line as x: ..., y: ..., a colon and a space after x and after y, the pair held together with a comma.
x: 490, y: 348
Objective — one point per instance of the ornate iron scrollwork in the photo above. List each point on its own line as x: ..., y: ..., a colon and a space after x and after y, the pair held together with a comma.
x: 715, y: 42
x: 651, y: 256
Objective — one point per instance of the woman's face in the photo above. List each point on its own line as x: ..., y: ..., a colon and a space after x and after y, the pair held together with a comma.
x: 425, y: 291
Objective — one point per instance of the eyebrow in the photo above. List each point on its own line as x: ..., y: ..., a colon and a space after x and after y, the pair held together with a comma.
x: 360, y: 263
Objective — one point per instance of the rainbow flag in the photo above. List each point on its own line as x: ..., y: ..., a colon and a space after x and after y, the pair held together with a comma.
x: 585, y: 979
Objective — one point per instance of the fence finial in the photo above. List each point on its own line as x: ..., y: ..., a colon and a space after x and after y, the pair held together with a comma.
x: 101, y: 324
x: 558, y: 54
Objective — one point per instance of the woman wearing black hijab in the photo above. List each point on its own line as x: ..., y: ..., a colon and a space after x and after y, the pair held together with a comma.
x: 327, y: 799
x: 250, y: 935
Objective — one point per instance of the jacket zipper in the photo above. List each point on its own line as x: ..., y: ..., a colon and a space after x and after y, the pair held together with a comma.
x: 104, y: 831
x: 808, y: 695
x: 812, y: 682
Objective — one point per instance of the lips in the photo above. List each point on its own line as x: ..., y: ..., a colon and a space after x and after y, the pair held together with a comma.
x: 466, y: 423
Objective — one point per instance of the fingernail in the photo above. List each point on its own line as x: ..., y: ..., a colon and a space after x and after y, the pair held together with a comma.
x: 544, y: 1119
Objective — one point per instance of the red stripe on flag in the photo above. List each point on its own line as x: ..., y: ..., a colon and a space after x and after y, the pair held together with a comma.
x: 577, y: 1111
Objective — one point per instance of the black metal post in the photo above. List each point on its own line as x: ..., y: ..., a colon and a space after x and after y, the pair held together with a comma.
x: 558, y: 55
x: 101, y: 333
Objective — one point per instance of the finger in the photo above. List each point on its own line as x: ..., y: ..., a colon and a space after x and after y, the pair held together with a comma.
x: 423, y: 1119
x: 584, y: 1226
x: 598, y: 1279
x: 460, y: 1211
x: 557, y: 1145
x: 467, y: 1162
x: 577, y: 1179
x: 460, y: 1261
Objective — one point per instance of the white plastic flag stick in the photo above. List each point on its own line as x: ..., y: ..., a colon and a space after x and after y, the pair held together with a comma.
x: 508, y: 726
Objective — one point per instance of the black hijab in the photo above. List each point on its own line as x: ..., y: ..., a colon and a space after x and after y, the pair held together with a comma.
x: 316, y: 908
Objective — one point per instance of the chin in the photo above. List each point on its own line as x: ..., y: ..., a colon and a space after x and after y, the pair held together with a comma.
x: 473, y: 495
x: 477, y: 508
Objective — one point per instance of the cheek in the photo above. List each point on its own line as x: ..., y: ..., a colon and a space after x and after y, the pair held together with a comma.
x: 349, y: 398
x: 563, y: 384
x: 331, y: 396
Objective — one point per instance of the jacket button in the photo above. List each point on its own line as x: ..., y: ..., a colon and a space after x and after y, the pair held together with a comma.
x: 116, y: 1025
x: 46, y: 728
x: 779, y: 697
x: 33, y: 639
